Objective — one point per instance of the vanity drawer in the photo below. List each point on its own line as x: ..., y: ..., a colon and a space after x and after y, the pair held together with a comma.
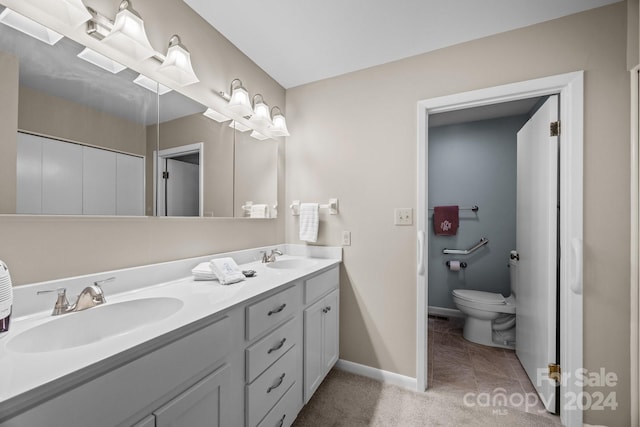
x: 266, y: 351
x: 286, y: 410
x: 269, y: 387
x: 267, y: 313
x: 319, y: 285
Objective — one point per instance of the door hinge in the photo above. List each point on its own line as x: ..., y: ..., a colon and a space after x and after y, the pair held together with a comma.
x: 165, y: 175
x: 554, y: 128
x: 554, y: 372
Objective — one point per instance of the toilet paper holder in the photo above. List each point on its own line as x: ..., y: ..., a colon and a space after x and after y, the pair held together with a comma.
x: 462, y: 264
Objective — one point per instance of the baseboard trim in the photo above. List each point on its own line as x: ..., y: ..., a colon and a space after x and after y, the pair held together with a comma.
x: 377, y: 374
x: 446, y: 312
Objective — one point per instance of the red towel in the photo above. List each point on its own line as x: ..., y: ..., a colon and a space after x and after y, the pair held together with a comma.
x: 445, y: 220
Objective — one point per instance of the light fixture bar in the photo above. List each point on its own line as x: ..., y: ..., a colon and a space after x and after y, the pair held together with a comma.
x: 101, y: 61
x: 151, y: 85
x: 29, y: 27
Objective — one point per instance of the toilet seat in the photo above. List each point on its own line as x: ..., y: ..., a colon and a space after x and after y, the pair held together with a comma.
x: 481, y: 297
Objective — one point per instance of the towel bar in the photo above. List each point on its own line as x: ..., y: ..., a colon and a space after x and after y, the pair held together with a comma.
x: 474, y: 208
x: 477, y: 246
x: 332, y: 206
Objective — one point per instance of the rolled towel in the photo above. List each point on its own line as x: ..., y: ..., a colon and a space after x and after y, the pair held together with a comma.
x: 309, y: 221
x: 226, y: 270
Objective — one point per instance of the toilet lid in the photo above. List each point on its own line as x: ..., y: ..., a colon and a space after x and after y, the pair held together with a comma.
x: 480, y: 296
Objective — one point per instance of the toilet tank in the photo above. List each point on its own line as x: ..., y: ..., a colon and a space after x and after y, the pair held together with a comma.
x: 513, y: 272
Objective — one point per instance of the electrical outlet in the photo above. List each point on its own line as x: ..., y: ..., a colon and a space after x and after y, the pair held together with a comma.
x: 346, y: 238
x: 403, y: 216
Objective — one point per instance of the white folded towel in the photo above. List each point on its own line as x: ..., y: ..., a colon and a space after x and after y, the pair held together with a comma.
x: 203, y: 271
x: 309, y: 220
x: 226, y: 270
x: 259, y: 211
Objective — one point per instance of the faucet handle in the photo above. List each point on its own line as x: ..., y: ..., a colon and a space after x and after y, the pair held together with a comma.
x: 62, y: 303
x: 107, y: 280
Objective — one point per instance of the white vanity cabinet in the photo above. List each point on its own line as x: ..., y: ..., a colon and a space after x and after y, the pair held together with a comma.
x: 321, y: 328
x: 187, y: 379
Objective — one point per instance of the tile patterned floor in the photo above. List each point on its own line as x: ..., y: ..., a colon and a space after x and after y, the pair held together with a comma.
x: 460, y: 367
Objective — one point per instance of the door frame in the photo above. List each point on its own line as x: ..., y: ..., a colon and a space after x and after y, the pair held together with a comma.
x: 170, y: 153
x: 634, y: 338
x: 570, y: 86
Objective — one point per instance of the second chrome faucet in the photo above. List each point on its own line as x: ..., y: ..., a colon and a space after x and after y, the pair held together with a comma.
x: 272, y: 257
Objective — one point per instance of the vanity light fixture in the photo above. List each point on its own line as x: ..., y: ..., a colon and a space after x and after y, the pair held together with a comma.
x: 239, y: 126
x: 29, y: 27
x: 214, y: 115
x: 257, y: 135
x: 279, y: 126
x: 99, y: 60
x: 239, y: 99
x: 128, y: 35
x: 261, y: 115
x: 151, y: 85
x: 177, y: 64
x: 68, y: 12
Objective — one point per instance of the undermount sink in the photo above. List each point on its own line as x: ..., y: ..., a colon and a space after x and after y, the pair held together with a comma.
x: 292, y: 264
x: 92, y: 325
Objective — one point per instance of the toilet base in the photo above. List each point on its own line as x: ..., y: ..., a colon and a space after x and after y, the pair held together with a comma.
x: 481, y: 332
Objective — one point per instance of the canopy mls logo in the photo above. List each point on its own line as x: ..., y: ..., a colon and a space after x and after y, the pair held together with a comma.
x: 500, y: 401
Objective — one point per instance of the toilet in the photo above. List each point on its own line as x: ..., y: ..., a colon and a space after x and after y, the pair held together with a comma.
x: 490, y: 318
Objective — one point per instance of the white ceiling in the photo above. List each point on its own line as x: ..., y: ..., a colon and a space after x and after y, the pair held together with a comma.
x: 298, y: 42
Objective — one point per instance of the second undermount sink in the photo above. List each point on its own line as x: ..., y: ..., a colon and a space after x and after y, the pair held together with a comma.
x: 292, y: 263
x: 92, y: 325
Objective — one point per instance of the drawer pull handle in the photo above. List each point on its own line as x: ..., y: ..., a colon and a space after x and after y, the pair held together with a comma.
x: 326, y: 309
x: 277, y: 385
x: 277, y: 310
x: 277, y: 347
x: 281, y: 423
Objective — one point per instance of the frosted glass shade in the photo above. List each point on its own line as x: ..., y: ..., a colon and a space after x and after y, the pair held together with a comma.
x: 177, y: 64
x: 29, y: 27
x: 69, y: 12
x: 239, y: 102
x: 128, y: 35
x: 261, y: 115
x: 279, y: 127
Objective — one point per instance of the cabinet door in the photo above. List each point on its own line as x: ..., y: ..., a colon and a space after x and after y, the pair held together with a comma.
x: 29, y: 174
x: 330, y: 333
x: 129, y: 185
x: 313, y: 368
x: 203, y: 405
x: 61, y: 178
x: 98, y: 182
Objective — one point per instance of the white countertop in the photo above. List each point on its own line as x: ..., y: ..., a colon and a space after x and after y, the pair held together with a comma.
x: 29, y: 378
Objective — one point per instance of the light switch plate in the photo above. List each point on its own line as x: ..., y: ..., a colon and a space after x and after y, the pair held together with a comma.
x: 346, y: 238
x: 403, y: 216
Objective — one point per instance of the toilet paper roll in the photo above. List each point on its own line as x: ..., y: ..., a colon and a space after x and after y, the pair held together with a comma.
x: 454, y: 265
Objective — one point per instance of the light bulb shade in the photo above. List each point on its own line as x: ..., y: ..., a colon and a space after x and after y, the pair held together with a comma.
x: 30, y: 27
x: 261, y: 114
x: 239, y: 102
x: 69, y: 12
x: 128, y: 34
x: 239, y: 126
x: 177, y: 64
x: 257, y: 135
x: 279, y: 126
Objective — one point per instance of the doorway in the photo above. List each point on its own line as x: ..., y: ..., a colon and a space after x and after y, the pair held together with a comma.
x: 570, y: 88
x: 179, y: 181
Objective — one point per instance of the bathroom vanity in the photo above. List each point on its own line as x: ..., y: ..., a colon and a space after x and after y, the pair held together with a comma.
x: 192, y: 353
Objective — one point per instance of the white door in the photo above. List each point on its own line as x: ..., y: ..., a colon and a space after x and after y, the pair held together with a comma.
x: 129, y: 185
x: 98, y: 181
x: 536, y: 243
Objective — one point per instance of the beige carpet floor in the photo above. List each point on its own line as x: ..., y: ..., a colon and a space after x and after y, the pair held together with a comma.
x: 348, y: 400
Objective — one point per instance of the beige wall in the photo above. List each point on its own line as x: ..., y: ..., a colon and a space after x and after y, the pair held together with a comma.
x: 45, y: 247
x: 8, y: 125
x: 218, y: 159
x: 57, y: 117
x: 354, y: 137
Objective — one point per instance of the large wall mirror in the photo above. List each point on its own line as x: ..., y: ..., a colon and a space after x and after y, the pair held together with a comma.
x: 94, y: 142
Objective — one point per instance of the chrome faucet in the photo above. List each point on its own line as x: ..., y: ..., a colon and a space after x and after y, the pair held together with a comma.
x: 272, y: 257
x: 90, y: 296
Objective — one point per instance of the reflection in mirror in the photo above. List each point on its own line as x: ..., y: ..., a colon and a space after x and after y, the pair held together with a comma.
x: 97, y: 133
